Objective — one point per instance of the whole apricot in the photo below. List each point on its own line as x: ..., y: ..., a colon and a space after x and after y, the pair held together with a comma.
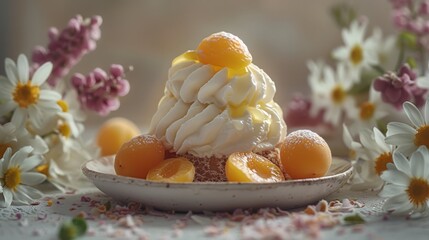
x: 115, y: 132
x: 304, y: 154
x: 139, y: 155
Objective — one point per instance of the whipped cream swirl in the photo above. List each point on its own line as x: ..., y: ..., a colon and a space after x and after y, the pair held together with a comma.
x: 205, y: 112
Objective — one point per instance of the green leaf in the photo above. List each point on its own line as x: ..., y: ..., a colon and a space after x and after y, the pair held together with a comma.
x: 343, y: 14
x: 412, y: 62
x: 73, y: 229
x: 353, y: 219
x: 67, y: 231
x: 80, y: 224
x: 408, y: 39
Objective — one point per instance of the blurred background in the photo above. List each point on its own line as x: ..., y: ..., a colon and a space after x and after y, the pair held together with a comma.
x: 282, y: 36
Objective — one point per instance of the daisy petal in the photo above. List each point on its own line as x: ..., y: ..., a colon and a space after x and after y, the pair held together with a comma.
x: 30, y: 163
x: 49, y: 95
x: 399, y: 139
x: 427, y: 111
x: 11, y: 72
x: 35, y: 116
x: 31, y: 192
x: 41, y: 74
x: 380, y: 140
x: 395, y: 176
x: 391, y: 190
x: 7, y: 194
x: 23, y: 68
x: 19, y: 117
x: 32, y: 178
x: 7, y: 107
x: 340, y: 53
x: 399, y: 128
x: 401, y: 163
x: 6, y: 156
x: 417, y: 164
x: 21, y: 197
x: 396, y: 202
x: 413, y: 114
x: 6, y: 88
x: 20, y: 156
x: 407, y: 149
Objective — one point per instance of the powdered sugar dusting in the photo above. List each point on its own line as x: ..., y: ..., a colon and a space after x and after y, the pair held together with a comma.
x: 304, y: 137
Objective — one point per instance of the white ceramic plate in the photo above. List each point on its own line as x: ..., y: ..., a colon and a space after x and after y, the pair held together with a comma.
x: 215, y: 196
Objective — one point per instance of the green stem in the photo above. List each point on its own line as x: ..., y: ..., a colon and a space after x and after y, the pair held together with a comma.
x: 401, y: 54
x: 379, y: 69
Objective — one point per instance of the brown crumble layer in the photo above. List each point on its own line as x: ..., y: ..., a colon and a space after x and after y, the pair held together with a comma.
x: 213, y: 169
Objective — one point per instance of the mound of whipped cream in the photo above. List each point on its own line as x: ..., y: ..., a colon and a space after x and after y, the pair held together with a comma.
x: 206, y: 112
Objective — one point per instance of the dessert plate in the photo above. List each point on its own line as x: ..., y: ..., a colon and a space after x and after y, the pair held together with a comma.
x: 215, y: 196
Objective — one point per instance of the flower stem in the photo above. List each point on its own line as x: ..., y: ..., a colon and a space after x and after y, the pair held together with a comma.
x: 379, y: 69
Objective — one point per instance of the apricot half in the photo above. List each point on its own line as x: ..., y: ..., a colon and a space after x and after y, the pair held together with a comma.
x: 224, y: 50
x: 173, y: 170
x: 251, y: 167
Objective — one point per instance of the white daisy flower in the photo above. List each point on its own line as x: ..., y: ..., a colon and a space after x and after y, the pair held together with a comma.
x: 384, y: 47
x: 7, y: 137
x: 355, y: 148
x: 24, y: 96
x: 16, y: 179
x: 357, y: 53
x: 370, y: 112
x: 316, y: 74
x: 371, y: 164
x: 409, y: 138
x: 407, y: 184
x: 332, y: 95
x: 65, y: 157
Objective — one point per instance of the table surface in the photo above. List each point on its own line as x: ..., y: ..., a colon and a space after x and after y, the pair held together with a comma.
x: 122, y: 221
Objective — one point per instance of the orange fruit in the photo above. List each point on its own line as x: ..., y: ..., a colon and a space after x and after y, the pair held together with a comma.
x: 304, y: 154
x: 115, y: 132
x: 251, y: 167
x: 173, y: 170
x: 224, y: 50
x: 137, y: 156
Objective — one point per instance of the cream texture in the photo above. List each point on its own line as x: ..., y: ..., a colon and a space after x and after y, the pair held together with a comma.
x: 206, y: 113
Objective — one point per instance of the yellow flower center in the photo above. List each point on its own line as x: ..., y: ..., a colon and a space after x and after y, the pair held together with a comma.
x: 64, y: 130
x: 26, y: 94
x: 43, y: 169
x: 356, y: 54
x: 418, y: 191
x: 352, y: 154
x: 3, y: 147
x: 63, y: 105
x: 367, y: 110
x: 382, y: 161
x: 338, y: 94
x: 422, y: 136
x: 12, y: 178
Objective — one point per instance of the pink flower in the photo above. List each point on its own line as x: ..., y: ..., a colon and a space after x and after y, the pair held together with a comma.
x: 99, y: 91
x: 67, y: 47
x: 397, y: 88
x: 298, y: 114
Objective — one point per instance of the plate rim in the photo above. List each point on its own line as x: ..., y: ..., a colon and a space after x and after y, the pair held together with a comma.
x: 92, y: 175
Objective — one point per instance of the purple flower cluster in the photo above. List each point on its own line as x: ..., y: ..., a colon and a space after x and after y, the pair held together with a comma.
x: 412, y: 16
x: 99, y: 91
x: 396, y: 88
x: 67, y: 47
